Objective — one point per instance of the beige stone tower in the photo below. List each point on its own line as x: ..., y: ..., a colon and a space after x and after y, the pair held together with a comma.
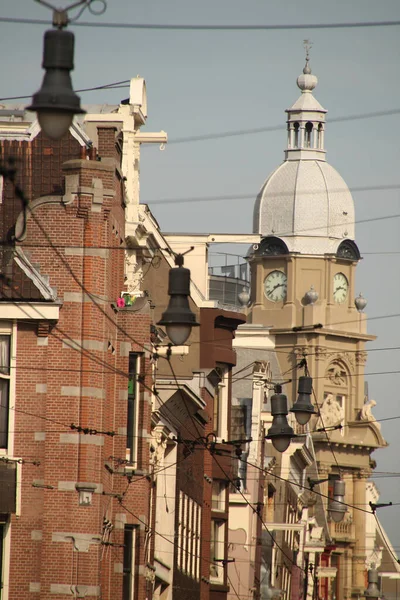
x: 303, y: 284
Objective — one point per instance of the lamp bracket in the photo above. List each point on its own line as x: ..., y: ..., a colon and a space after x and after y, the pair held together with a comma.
x: 60, y: 15
x: 381, y: 505
x: 314, y: 482
x: 178, y: 256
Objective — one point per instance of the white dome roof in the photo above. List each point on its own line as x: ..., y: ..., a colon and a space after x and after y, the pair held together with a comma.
x: 308, y: 205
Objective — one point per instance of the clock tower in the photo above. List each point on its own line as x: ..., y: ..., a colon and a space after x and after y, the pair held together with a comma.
x: 303, y: 284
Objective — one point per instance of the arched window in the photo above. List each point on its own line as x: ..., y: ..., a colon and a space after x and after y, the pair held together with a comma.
x: 296, y: 128
x: 308, y: 135
x: 319, y: 141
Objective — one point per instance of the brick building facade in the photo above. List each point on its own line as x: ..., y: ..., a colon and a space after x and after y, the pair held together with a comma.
x: 113, y: 460
x: 72, y: 363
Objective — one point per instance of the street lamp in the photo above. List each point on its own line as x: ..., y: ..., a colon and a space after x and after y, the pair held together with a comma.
x: 337, y: 508
x: 178, y: 319
x: 56, y: 103
x: 303, y: 408
x: 372, y: 591
x: 280, y: 433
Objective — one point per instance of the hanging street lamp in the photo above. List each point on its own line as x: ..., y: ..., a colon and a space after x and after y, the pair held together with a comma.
x: 56, y: 102
x: 373, y: 590
x: 303, y: 408
x: 178, y: 319
x: 280, y: 433
x: 336, y: 507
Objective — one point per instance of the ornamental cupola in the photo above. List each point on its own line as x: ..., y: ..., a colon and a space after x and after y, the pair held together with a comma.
x: 305, y: 202
x: 306, y: 121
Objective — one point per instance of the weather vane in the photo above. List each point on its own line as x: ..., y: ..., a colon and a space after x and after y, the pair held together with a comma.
x: 307, y: 45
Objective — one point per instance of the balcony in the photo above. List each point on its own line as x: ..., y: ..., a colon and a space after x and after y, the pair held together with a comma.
x: 343, y: 532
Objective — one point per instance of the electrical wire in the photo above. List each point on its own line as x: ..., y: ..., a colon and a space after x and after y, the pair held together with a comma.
x: 209, y: 27
x: 230, y: 197
x: 255, y: 511
x: 384, y: 539
x: 108, y: 86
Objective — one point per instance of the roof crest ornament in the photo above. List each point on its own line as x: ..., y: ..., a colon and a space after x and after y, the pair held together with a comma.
x: 307, y: 46
x: 307, y: 81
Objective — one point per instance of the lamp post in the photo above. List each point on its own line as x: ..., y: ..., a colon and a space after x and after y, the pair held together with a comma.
x: 56, y: 103
x: 178, y: 319
x: 280, y: 433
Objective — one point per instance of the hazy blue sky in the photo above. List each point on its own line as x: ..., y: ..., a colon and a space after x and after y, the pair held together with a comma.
x: 206, y: 82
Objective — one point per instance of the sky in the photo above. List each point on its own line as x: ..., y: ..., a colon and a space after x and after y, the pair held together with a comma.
x: 203, y: 83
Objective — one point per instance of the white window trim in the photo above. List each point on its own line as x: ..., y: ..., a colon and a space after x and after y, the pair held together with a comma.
x: 134, y: 463
x: 11, y: 330
x: 219, y: 528
x: 222, y: 433
x: 133, y: 573
x: 6, y: 561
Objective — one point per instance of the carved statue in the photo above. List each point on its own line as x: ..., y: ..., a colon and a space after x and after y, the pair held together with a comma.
x: 331, y: 413
x: 366, y: 414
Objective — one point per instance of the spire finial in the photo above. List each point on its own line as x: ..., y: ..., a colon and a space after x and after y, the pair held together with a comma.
x: 307, y: 46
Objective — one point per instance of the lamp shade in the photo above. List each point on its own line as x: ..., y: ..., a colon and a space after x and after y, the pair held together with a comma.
x: 303, y: 408
x: 56, y: 102
x: 337, y: 508
x: 373, y: 589
x: 178, y: 319
x: 280, y: 433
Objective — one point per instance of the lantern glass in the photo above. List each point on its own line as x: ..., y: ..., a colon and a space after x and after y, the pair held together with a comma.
x: 54, y: 123
x: 178, y: 333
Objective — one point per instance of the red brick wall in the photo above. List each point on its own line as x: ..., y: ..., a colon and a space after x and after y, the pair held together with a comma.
x: 73, y: 228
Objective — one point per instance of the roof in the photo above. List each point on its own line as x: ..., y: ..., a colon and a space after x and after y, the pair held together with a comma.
x: 296, y: 190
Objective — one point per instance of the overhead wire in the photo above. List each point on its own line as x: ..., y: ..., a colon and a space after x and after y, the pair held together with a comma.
x: 229, y: 479
x: 231, y: 197
x: 210, y: 27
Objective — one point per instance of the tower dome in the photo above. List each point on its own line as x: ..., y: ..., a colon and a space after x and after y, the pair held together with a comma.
x: 305, y: 201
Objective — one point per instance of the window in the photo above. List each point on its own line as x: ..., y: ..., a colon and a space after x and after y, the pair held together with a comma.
x: 4, y: 388
x: 129, y: 563
x: 218, y: 500
x: 4, y: 555
x: 2, y: 536
x: 217, y: 551
x: 296, y: 135
x: 189, y: 532
x: 132, y: 410
x: 220, y: 411
x: 308, y: 135
x: 320, y: 130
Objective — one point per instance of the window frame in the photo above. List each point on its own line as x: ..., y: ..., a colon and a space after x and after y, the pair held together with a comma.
x: 9, y: 330
x: 132, y: 414
x: 129, y: 553
x: 217, y: 548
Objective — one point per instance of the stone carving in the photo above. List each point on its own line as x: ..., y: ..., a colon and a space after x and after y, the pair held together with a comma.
x: 134, y: 273
x: 320, y: 353
x: 337, y: 375
x: 262, y: 370
x: 366, y: 414
x: 331, y: 413
x: 361, y: 358
x: 157, y: 448
x: 300, y: 351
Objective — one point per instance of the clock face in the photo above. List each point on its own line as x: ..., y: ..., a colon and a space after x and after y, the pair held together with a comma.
x: 340, y: 288
x: 275, y: 286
